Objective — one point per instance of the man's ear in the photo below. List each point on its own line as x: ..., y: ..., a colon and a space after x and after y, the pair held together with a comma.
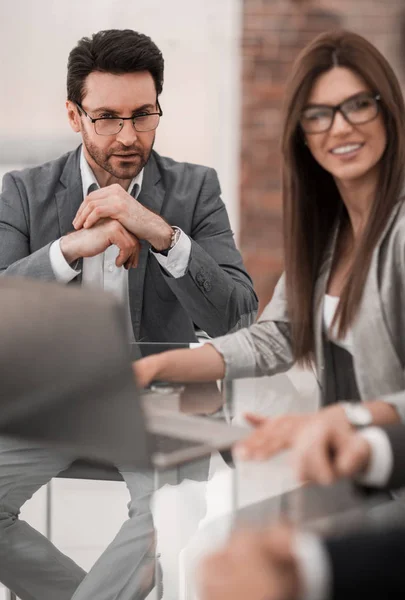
x: 73, y: 116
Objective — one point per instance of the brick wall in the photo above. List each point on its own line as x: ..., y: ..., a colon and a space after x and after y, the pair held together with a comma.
x: 273, y: 33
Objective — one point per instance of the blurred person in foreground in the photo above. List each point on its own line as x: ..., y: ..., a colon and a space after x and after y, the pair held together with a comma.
x: 67, y: 383
x: 282, y: 563
x: 114, y: 215
x: 338, y: 304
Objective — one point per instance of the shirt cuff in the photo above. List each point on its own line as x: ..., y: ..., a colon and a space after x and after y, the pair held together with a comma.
x: 381, y: 463
x: 314, y: 568
x: 61, y: 268
x: 178, y: 257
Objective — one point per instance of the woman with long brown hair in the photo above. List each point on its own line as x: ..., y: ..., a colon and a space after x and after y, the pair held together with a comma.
x: 339, y: 302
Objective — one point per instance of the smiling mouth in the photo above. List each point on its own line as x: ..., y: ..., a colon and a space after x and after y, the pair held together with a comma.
x: 346, y: 149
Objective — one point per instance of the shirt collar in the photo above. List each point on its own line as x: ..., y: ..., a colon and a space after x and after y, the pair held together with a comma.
x: 88, y: 177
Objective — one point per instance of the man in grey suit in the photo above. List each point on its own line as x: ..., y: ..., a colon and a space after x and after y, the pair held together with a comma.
x: 162, y: 220
x: 114, y: 215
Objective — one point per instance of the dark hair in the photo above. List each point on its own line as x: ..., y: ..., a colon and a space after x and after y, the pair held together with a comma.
x: 311, y: 200
x: 115, y: 51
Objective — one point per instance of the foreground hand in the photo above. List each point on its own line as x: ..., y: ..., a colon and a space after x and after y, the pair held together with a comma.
x: 115, y: 203
x: 90, y: 242
x: 253, y: 565
x: 327, y: 450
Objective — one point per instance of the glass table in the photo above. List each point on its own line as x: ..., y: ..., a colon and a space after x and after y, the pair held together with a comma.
x: 196, y: 505
x: 198, y: 502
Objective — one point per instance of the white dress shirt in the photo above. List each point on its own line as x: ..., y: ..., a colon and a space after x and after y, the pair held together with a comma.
x: 101, y: 271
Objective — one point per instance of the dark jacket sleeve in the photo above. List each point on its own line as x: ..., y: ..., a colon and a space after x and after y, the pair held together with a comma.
x: 368, y: 565
x: 396, y: 435
x: 216, y: 290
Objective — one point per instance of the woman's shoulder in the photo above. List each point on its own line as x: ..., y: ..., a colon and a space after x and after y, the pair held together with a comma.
x: 394, y: 239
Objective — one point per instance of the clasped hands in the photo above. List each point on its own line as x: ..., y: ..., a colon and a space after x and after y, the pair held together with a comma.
x: 111, y: 216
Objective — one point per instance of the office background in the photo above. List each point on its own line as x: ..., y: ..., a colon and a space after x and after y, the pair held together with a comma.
x: 225, y: 69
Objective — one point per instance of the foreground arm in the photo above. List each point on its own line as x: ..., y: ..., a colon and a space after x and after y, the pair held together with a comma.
x: 282, y: 564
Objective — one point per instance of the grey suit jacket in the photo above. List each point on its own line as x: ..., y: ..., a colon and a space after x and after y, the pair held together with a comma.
x: 378, y: 330
x: 37, y: 207
x: 65, y: 370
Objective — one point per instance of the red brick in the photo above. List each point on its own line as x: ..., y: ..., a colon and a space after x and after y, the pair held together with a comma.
x: 274, y: 31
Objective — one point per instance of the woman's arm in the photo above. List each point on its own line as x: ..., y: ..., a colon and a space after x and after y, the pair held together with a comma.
x: 197, y: 364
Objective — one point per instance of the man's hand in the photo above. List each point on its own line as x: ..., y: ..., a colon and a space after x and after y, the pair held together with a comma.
x: 327, y: 450
x: 90, y: 242
x: 253, y: 565
x: 115, y: 203
x: 274, y: 435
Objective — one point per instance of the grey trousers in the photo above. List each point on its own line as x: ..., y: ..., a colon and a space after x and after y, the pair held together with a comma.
x: 35, y: 569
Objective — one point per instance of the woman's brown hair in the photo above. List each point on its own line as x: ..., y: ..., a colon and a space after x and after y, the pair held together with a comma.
x: 311, y: 201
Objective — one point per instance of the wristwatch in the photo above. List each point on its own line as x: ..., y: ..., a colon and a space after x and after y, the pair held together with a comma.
x: 173, y: 241
x: 358, y: 415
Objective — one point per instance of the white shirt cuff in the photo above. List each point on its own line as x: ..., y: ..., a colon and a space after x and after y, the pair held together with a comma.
x: 177, y: 259
x: 61, y: 268
x: 381, y: 464
x: 314, y: 569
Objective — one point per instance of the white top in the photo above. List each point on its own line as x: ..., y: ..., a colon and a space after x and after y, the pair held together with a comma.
x: 330, y: 305
x: 101, y: 271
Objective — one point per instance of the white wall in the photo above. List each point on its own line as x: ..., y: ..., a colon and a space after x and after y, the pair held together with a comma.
x: 200, y: 42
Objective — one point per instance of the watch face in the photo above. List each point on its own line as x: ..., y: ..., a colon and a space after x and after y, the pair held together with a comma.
x: 359, y: 415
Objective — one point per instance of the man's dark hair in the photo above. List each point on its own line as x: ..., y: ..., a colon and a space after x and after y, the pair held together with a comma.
x: 115, y: 51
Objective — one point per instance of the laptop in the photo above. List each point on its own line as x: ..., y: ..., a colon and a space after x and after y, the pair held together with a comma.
x: 140, y: 429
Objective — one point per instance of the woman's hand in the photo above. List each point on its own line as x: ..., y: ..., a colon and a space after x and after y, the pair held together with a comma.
x: 146, y: 370
x: 274, y: 435
x: 270, y: 435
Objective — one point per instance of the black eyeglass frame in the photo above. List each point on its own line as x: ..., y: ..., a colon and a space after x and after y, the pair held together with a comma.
x: 133, y: 119
x: 338, y: 108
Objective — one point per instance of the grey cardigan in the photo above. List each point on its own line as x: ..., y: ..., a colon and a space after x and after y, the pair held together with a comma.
x: 378, y: 330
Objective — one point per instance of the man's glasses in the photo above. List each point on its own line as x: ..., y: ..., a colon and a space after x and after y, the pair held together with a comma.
x: 358, y: 109
x: 142, y: 122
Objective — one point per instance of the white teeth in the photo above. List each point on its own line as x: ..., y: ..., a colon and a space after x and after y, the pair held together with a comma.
x: 346, y: 149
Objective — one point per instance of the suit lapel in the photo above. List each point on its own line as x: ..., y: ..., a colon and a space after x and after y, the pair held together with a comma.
x: 69, y: 196
x: 152, y: 197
